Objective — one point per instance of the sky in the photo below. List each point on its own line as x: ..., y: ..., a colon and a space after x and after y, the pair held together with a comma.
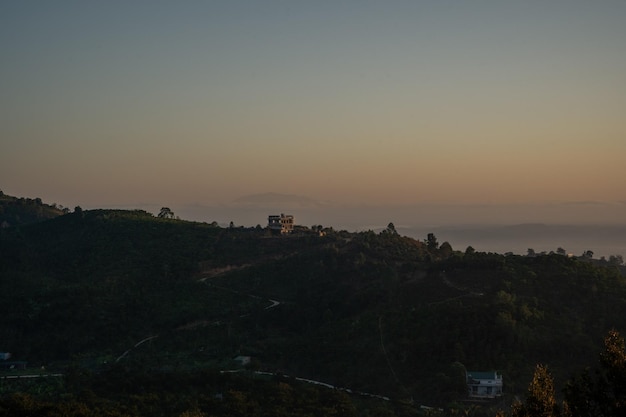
x: 352, y: 102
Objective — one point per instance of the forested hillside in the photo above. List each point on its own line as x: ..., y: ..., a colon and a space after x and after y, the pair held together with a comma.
x: 15, y: 211
x: 104, y: 291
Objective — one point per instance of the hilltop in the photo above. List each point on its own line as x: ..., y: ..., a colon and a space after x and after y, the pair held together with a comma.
x: 15, y: 211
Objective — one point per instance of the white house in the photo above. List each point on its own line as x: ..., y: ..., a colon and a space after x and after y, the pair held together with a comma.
x: 484, y: 384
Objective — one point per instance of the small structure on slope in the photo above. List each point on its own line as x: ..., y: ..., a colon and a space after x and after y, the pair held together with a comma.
x: 484, y: 385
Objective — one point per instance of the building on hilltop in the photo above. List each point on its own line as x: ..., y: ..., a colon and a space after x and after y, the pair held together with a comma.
x: 484, y: 385
x: 282, y: 223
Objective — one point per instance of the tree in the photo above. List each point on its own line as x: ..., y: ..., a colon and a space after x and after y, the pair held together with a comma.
x: 391, y: 229
x: 561, y: 251
x: 166, y: 213
x: 540, y: 400
x: 531, y: 252
x: 613, y: 363
x: 602, y: 393
x: 445, y: 250
x: 192, y: 413
x: 616, y: 260
x: 431, y: 242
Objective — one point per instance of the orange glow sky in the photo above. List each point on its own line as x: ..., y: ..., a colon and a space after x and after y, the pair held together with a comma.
x: 400, y: 102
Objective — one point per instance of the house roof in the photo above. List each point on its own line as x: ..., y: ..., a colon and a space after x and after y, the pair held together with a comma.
x: 482, y: 374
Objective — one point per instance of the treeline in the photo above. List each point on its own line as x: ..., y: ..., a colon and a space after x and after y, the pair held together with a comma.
x: 131, y: 392
x: 15, y: 211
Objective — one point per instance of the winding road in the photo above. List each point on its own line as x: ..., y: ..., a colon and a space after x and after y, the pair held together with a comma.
x: 273, y: 304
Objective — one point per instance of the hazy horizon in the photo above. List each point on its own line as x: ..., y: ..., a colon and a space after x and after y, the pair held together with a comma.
x: 253, y: 209
x: 360, y: 104
x: 577, y: 227
x: 359, y: 216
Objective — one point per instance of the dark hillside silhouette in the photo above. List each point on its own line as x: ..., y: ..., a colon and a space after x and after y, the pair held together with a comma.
x: 373, y: 312
x: 15, y: 211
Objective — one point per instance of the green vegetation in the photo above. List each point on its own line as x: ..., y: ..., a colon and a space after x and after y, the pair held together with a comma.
x: 123, y: 392
x: 15, y: 211
x: 601, y: 394
x: 114, y: 295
